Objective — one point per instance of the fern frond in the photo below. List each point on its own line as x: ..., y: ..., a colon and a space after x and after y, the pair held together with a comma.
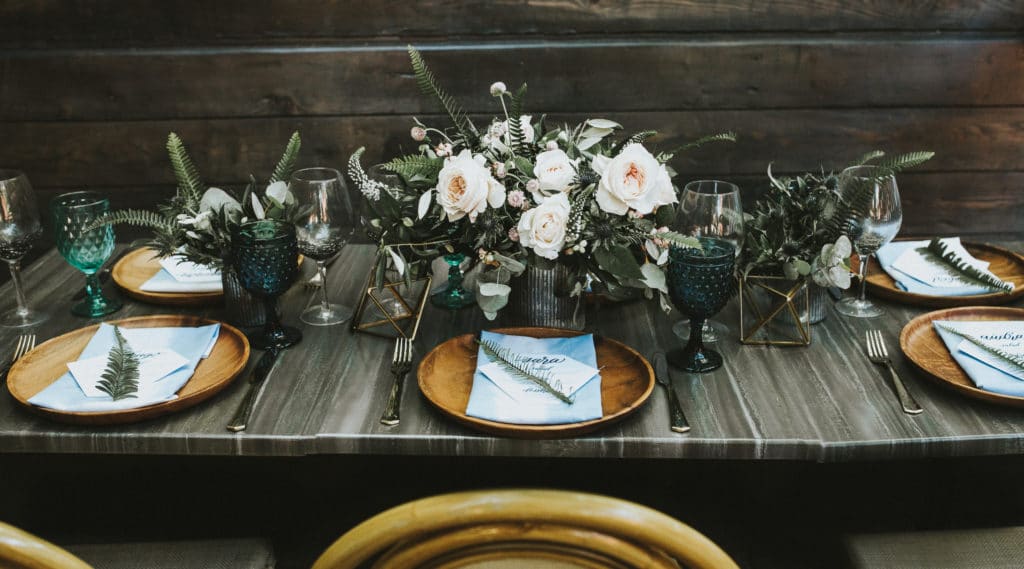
x: 430, y: 87
x: 415, y: 166
x: 190, y: 185
x: 720, y: 137
x: 939, y: 248
x: 637, y: 138
x: 285, y: 166
x: 680, y: 240
x: 868, y: 158
x: 120, y: 379
x: 514, y: 365
x: 136, y: 217
x: 1014, y: 359
x: 905, y: 161
x: 515, y: 125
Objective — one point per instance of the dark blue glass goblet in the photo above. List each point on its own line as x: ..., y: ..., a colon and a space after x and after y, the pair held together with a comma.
x: 700, y: 283
x: 266, y: 256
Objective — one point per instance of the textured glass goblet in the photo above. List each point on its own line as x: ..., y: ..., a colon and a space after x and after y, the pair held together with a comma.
x: 455, y: 296
x: 710, y: 208
x: 19, y: 230
x: 325, y: 224
x: 700, y: 283
x: 85, y: 248
x: 266, y: 256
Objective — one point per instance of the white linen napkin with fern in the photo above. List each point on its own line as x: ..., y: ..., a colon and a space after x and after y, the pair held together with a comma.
x: 538, y: 381
x: 991, y: 353
x: 126, y: 382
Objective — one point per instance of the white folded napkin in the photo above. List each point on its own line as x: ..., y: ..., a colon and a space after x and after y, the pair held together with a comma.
x: 987, y: 370
x: 571, y: 365
x: 190, y: 343
x: 179, y: 275
x: 919, y: 271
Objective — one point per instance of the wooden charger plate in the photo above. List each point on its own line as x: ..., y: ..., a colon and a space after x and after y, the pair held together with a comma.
x: 926, y: 351
x: 42, y: 366
x: 137, y: 267
x: 1006, y: 264
x: 446, y: 378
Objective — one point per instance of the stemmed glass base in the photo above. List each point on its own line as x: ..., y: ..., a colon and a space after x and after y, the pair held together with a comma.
x: 22, y: 318
x: 694, y: 357
x: 278, y: 336
x: 713, y: 330
x: 455, y: 296
x: 858, y: 308
x: 328, y: 315
x: 96, y: 306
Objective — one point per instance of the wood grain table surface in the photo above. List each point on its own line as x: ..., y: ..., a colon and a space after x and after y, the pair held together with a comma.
x: 823, y: 403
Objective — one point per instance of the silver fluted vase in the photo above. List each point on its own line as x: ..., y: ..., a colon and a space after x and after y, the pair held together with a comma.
x: 541, y: 297
x: 817, y: 303
x: 241, y: 307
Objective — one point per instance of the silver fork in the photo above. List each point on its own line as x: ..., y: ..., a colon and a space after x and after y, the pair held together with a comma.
x: 401, y: 363
x: 879, y: 354
x: 26, y: 343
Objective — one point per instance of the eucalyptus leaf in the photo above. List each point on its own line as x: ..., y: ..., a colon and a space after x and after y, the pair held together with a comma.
x: 618, y: 261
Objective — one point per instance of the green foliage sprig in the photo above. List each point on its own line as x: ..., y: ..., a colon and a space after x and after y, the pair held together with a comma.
x: 517, y: 366
x: 286, y: 165
x: 1014, y: 359
x: 949, y: 257
x: 120, y: 379
x: 190, y: 185
x: 429, y: 86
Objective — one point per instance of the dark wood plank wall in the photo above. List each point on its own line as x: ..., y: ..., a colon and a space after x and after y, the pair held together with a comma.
x: 90, y: 88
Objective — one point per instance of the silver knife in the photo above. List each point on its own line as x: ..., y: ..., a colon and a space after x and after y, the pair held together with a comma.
x: 678, y: 418
x: 260, y: 373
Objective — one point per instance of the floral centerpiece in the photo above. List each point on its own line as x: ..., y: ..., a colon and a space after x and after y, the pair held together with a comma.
x: 525, y: 192
x: 198, y: 222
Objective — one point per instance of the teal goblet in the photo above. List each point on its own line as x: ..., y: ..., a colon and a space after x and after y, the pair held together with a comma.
x: 266, y: 256
x: 86, y: 248
x: 700, y: 283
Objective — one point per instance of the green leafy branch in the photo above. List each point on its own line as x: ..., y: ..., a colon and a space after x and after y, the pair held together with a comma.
x: 415, y: 168
x: 515, y: 365
x: 429, y: 86
x: 190, y: 185
x: 1015, y: 359
x: 515, y: 125
x: 120, y: 379
x: 720, y: 137
x: 949, y: 257
x: 285, y: 166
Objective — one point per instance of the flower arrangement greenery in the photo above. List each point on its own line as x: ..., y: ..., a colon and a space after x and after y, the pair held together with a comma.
x: 522, y: 191
x: 799, y: 226
x: 197, y: 223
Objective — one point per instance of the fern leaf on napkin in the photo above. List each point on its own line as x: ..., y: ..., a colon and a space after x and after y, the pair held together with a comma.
x: 1015, y: 359
x: 516, y: 366
x: 120, y: 379
x: 950, y: 258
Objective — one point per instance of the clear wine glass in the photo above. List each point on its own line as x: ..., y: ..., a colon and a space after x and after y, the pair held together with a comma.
x: 875, y: 188
x: 19, y: 230
x: 710, y: 208
x: 323, y: 227
x: 84, y: 246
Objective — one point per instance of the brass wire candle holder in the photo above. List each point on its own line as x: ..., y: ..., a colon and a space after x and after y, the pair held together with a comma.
x: 391, y: 308
x: 773, y: 311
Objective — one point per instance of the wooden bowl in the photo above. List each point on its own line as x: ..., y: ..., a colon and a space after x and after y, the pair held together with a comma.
x: 45, y: 364
x: 446, y: 378
x: 927, y: 352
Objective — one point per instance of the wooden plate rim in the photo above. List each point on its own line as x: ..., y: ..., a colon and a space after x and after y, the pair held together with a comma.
x: 149, y: 411
x: 934, y: 301
x: 538, y: 431
x: 958, y: 313
x: 172, y: 298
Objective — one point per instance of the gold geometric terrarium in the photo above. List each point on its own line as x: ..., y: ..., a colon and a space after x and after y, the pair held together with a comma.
x: 394, y: 308
x: 773, y: 311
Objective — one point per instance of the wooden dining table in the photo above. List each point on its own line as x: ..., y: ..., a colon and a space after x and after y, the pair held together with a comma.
x: 789, y: 447
x: 824, y: 403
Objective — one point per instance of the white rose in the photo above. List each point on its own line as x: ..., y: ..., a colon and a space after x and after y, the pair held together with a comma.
x: 465, y: 187
x: 555, y: 172
x: 279, y: 191
x: 633, y: 179
x: 543, y: 228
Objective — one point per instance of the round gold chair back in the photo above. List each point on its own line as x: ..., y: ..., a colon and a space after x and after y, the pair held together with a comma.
x: 22, y: 550
x: 523, y: 529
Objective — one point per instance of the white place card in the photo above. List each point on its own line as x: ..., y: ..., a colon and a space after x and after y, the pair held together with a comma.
x: 1003, y: 335
x: 188, y: 272
x: 153, y: 366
